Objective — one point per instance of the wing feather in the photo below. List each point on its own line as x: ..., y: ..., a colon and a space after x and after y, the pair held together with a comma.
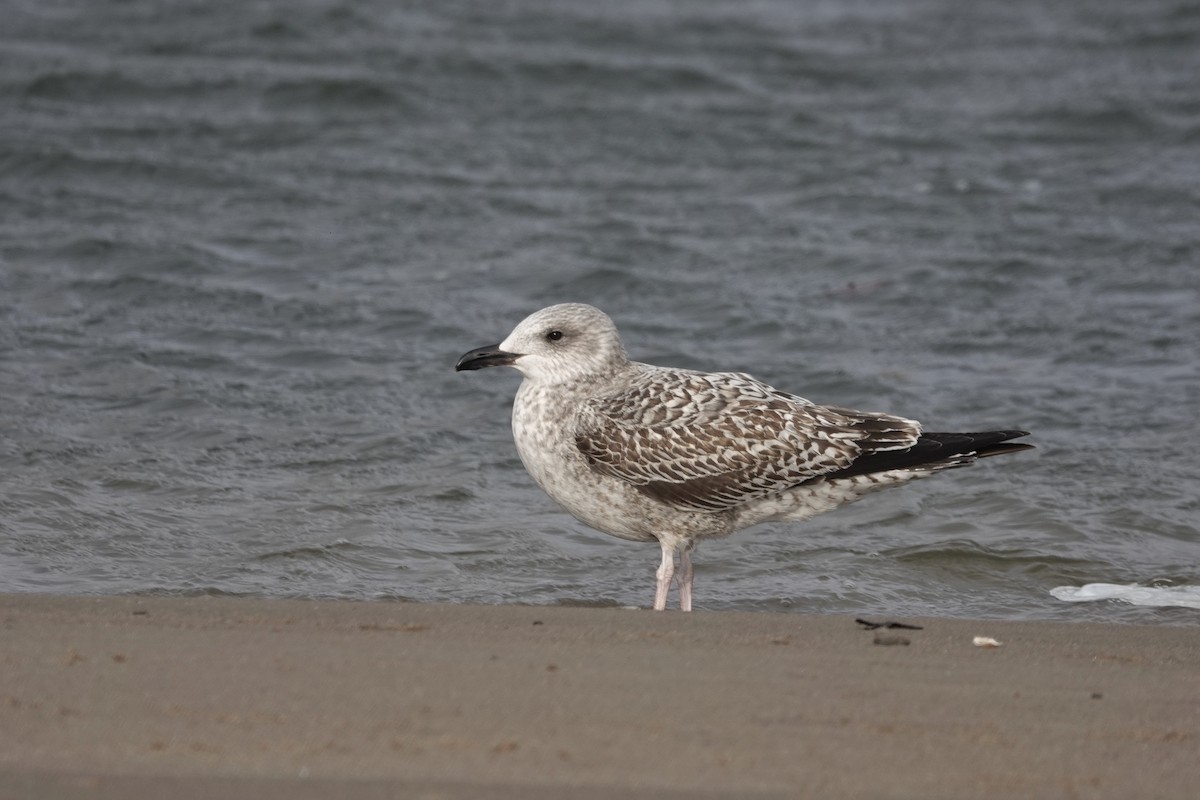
x: 712, y: 441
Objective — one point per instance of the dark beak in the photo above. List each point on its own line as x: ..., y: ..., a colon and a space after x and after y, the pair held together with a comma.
x: 480, y: 357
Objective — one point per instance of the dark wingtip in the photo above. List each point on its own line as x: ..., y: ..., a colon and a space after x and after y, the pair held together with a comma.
x: 995, y: 443
x: 933, y: 448
x: 1001, y: 449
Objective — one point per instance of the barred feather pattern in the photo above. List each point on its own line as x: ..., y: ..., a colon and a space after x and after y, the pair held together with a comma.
x: 711, y: 442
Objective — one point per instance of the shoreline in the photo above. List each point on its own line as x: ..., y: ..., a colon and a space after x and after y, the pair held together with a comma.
x: 138, y: 696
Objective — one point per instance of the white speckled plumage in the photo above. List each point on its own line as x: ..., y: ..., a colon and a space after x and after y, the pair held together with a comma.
x: 649, y: 453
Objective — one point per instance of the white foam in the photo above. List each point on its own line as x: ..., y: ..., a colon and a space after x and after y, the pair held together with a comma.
x: 1160, y: 596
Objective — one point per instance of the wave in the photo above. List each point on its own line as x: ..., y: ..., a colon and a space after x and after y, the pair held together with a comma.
x: 1135, y: 594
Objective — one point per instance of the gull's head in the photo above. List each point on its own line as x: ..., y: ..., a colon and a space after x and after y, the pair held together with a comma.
x: 561, y: 343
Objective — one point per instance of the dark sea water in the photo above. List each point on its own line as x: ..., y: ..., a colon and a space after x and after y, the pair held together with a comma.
x: 243, y: 243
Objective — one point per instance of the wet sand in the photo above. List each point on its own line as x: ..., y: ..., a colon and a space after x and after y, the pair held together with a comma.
x: 136, y: 697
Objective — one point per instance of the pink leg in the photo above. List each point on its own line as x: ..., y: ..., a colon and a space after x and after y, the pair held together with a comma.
x: 685, y: 579
x: 666, y: 570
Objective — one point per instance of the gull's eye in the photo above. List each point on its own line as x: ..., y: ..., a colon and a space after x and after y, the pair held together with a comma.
x: 554, y: 336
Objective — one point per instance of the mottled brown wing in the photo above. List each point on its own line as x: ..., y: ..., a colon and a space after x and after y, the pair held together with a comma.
x: 712, y: 441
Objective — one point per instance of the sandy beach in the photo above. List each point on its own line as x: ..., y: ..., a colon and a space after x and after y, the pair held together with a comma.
x: 139, y: 697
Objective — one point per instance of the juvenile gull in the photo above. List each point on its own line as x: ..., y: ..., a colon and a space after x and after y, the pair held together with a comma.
x: 675, y: 456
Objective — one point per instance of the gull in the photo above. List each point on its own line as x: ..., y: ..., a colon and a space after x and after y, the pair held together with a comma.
x: 650, y: 453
